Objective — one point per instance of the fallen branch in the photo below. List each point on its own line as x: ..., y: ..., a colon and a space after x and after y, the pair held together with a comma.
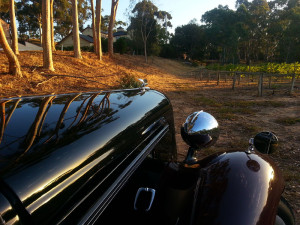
x: 44, y: 82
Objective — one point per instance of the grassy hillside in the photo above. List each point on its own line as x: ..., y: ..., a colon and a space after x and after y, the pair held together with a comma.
x: 75, y: 75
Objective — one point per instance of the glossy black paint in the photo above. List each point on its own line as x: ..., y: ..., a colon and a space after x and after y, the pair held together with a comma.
x: 7, y: 212
x: 57, y: 150
x: 238, y: 188
x: 79, y: 158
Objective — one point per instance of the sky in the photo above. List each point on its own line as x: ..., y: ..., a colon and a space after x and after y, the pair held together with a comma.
x: 182, y: 11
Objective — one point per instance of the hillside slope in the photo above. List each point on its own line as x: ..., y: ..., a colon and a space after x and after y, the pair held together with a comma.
x: 75, y: 75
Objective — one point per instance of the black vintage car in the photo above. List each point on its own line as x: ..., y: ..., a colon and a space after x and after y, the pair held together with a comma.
x: 110, y: 158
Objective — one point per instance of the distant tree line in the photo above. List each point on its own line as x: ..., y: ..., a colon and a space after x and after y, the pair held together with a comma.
x: 257, y: 30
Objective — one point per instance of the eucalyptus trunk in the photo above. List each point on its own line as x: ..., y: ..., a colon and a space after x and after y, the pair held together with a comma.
x: 114, y: 7
x: 52, y: 26
x: 47, y: 50
x: 145, y: 51
x: 14, y: 65
x: 94, y: 26
x: 98, y: 30
x: 40, y: 28
x: 76, y: 38
x: 13, y: 25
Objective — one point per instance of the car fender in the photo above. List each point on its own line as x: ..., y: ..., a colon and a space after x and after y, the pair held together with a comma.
x: 237, y: 188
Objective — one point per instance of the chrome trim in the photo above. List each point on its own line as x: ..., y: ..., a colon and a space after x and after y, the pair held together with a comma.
x: 251, y: 146
x: 151, y: 190
x: 76, y: 93
x: 143, y: 83
x: 95, y: 212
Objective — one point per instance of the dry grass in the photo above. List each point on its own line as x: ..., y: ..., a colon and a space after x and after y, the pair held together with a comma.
x: 70, y: 75
x: 75, y: 75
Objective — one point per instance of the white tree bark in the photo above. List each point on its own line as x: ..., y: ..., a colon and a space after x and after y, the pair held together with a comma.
x: 114, y: 7
x: 14, y: 65
x: 13, y: 26
x: 94, y: 26
x: 76, y: 38
x: 98, y: 29
x: 47, y: 50
x: 52, y: 26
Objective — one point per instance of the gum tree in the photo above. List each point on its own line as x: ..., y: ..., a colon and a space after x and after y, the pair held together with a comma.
x: 76, y: 39
x: 47, y: 49
x: 14, y: 65
x: 145, y: 23
x: 113, y: 13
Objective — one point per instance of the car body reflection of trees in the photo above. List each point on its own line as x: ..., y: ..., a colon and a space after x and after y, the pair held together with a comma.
x: 42, y: 131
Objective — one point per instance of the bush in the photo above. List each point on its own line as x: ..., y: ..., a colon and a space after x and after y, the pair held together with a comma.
x: 87, y: 48
x: 154, y: 49
x: 195, y: 64
x: 121, y: 45
x: 168, y: 51
x: 104, y: 42
x: 129, y: 81
x: 68, y: 48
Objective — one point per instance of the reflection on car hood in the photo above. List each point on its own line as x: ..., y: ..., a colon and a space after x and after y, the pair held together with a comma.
x: 49, y: 144
x: 32, y: 125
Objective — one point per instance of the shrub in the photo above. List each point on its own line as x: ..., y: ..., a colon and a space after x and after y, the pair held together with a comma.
x: 121, y: 45
x: 129, y: 81
x: 168, y: 51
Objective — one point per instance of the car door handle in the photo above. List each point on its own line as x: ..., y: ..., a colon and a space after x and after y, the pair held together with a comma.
x: 144, y: 199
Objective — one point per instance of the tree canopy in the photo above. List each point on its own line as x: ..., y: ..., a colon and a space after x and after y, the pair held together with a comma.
x: 29, y: 14
x: 259, y: 30
x: 148, y: 27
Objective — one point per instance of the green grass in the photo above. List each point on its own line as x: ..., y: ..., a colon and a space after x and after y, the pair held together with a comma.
x: 288, y: 121
x: 228, y: 109
x: 250, y: 129
x: 255, y: 104
x: 274, y: 104
x: 204, y: 101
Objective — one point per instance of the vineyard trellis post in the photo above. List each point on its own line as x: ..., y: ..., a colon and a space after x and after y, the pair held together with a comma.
x: 293, y: 79
x: 293, y: 83
x: 234, y: 80
x: 260, y: 84
x: 272, y: 77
